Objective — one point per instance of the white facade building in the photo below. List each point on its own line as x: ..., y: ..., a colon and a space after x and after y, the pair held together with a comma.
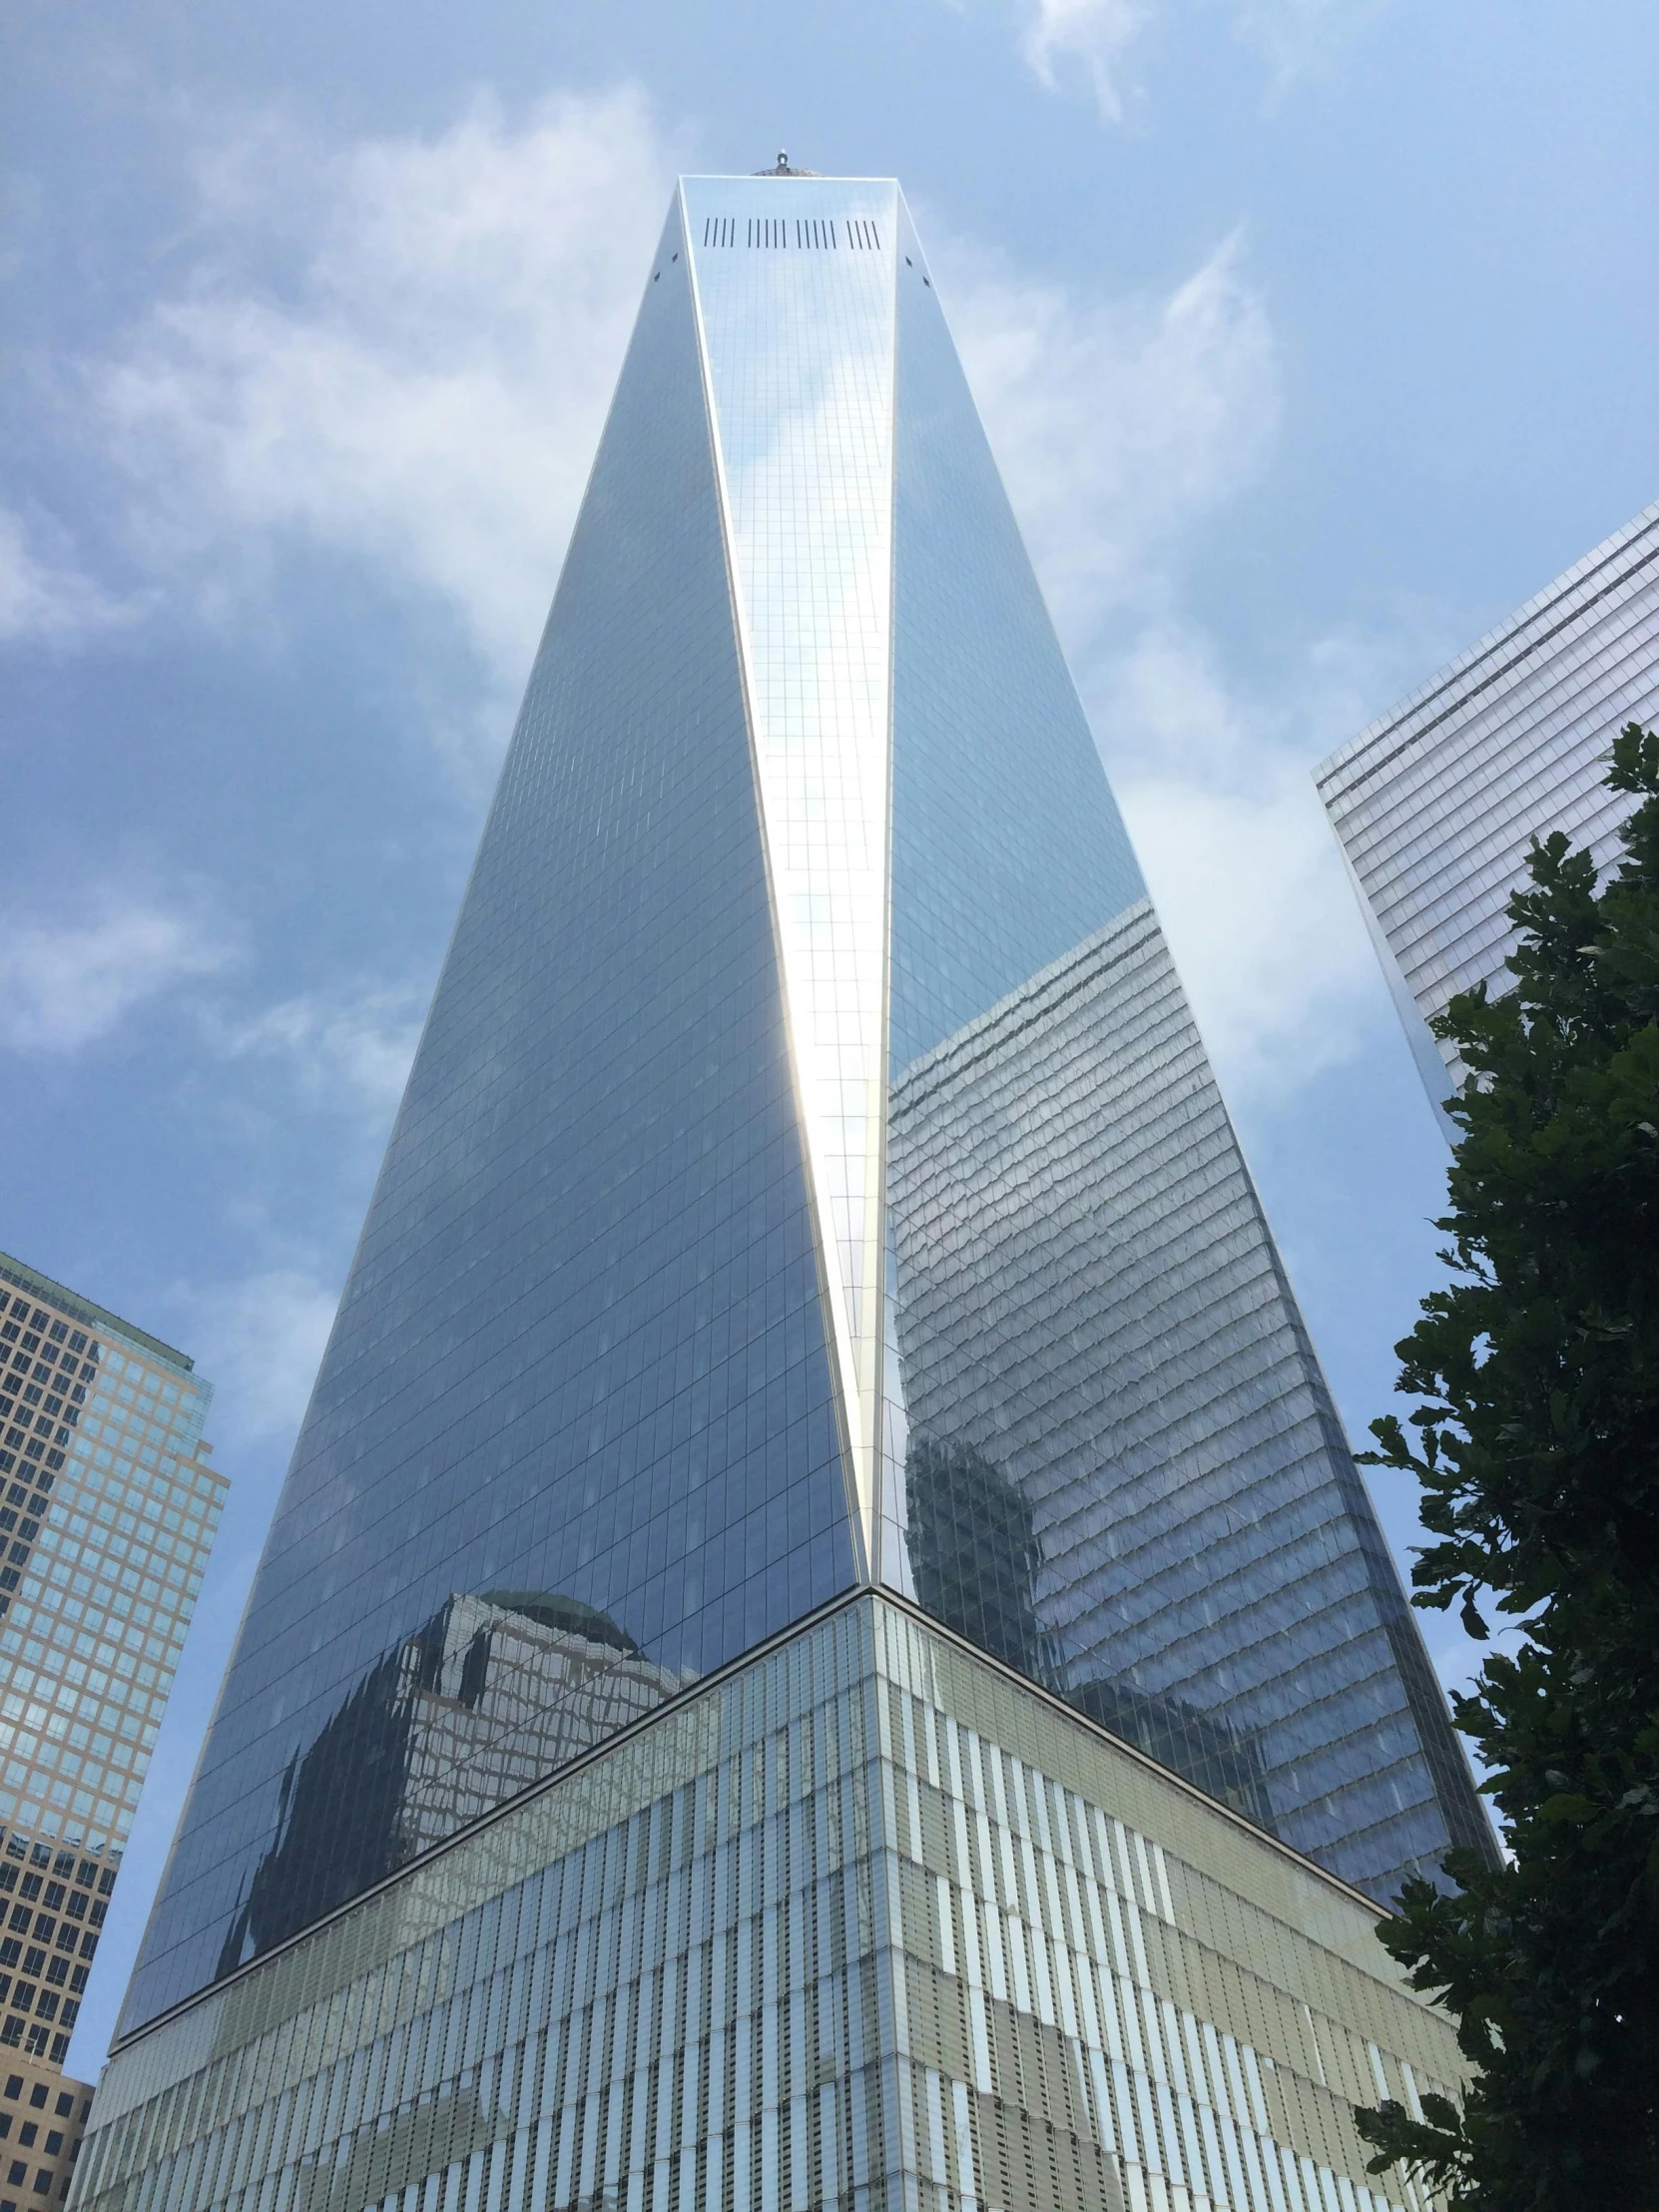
x: 1436, y: 803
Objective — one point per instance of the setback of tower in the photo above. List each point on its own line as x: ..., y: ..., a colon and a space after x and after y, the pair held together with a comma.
x: 811, y: 1179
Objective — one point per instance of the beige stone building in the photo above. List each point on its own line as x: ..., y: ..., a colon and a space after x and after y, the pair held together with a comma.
x: 108, y: 1505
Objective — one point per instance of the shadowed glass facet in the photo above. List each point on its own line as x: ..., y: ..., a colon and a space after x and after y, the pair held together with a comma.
x: 580, y: 1350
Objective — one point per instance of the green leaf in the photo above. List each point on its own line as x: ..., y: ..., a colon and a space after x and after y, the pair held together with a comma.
x: 1530, y: 1422
x: 1565, y: 1806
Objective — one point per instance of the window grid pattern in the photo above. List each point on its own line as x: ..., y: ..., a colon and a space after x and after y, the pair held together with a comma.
x: 1109, y: 1454
x: 1134, y: 1487
x: 579, y: 1365
x: 110, y: 1510
x: 799, y: 359
x: 42, y: 2113
x: 1437, y: 803
x: 819, y: 1936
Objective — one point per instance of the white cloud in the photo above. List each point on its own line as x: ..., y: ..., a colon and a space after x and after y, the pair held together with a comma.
x: 340, y: 1049
x: 1298, y: 37
x: 63, y: 987
x: 46, y: 597
x: 260, y: 1341
x: 1116, y: 423
x: 1122, y: 429
x: 1239, y: 857
x: 422, y: 389
x: 1090, y: 35
x: 1061, y: 39
x: 400, y: 351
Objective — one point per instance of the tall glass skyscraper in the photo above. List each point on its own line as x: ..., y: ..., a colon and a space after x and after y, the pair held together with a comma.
x: 811, y: 1204
x: 1437, y: 803
x: 811, y: 1176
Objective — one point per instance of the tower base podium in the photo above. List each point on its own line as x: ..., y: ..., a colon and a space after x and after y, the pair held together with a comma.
x: 814, y: 1933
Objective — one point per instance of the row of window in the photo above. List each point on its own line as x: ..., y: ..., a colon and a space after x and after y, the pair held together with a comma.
x: 33, y: 1326
x: 815, y: 232
x: 41, y: 2137
x: 41, y: 1464
x: 86, y: 1874
x: 37, y: 2039
x: 17, y: 2174
x: 31, y: 1997
x: 41, y: 2094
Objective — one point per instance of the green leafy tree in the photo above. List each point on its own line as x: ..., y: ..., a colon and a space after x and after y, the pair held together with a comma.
x: 1536, y: 1446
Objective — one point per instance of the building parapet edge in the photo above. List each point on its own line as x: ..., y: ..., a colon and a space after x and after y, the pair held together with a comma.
x: 711, y: 1684
x: 25, y: 1278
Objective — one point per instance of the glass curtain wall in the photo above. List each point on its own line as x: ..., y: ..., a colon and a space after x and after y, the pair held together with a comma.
x: 1437, y: 803
x: 811, y: 1174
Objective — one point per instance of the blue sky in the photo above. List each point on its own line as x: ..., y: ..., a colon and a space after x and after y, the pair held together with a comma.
x: 1312, y: 334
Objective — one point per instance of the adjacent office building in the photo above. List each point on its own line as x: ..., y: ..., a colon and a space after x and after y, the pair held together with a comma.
x: 1437, y: 803
x: 821, y: 1642
x: 109, y: 1508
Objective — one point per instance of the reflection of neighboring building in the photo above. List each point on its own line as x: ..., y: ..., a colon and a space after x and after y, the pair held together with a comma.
x: 1090, y: 1302
x: 1199, y: 1745
x: 1437, y: 803
x: 975, y: 1560
x: 503, y: 1688
x: 973, y: 1550
x: 490, y: 1696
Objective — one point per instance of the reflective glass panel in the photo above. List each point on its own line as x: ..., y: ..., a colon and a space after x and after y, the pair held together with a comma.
x: 795, y: 288
x: 573, y: 1442
x: 1109, y: 1455
x: 869, y: 1923
x: 811, y: 1168
x: 1438, y: 802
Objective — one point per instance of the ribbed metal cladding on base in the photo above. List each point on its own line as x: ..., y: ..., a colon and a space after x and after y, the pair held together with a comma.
x: 867, y: 1921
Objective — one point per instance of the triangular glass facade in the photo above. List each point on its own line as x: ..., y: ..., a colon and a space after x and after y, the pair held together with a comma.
x: 811, y: 1174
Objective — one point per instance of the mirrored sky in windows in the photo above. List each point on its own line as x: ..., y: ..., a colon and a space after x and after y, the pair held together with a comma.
x: 1307, y: 358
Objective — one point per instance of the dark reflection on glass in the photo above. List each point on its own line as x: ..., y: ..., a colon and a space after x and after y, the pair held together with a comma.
x: 1199, y: 1745
x: 489, y: 1696
x: 973, y: 1549
x: 407, y: 2148
x: 340, y: 1816
x: 975, y: 1559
